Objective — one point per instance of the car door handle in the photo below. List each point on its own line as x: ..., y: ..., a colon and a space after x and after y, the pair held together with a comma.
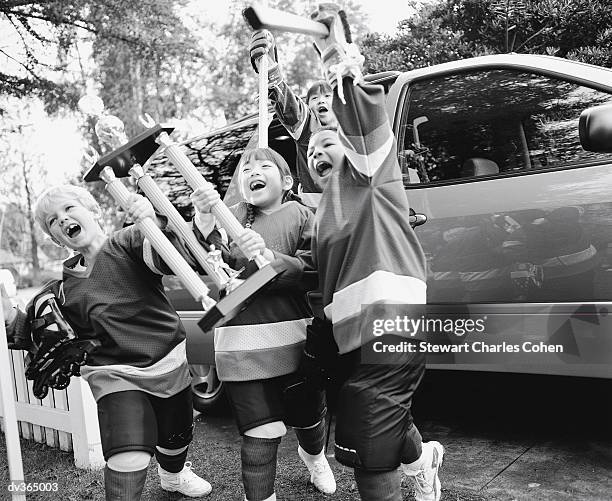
x: 416, y: 219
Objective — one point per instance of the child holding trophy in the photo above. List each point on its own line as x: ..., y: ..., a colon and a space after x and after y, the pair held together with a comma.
x: 258, y: 352
x: 366, y: 254
x: 112, y: 292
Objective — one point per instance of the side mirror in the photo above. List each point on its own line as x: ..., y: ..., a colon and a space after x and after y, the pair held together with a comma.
x: 595, y: 129
x: 415, y: 219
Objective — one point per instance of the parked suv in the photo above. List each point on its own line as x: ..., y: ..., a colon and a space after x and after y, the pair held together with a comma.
x: 516, y: 213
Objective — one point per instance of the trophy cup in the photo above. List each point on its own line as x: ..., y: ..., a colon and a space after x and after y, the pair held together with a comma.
x: 128, y: 158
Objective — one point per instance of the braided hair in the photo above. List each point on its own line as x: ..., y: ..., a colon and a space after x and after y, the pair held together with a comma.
x: 283, y: 167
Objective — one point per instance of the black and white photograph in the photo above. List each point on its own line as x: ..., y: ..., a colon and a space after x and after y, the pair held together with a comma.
x: 261, y: 250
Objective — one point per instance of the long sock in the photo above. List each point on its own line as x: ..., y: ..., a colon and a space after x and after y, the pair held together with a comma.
x: 312, y: 440
x: 259, y: 466
x: 124, y: 486
x: 171, y: 463
x: 412, y: 449
x: 378, y: 486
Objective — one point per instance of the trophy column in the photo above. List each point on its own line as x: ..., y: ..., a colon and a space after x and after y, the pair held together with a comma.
x: 195, y: 180
x: 160, y: 243
x: 213, y: 268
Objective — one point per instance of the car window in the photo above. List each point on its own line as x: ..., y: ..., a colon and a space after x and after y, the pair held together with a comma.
x: 492, y: 122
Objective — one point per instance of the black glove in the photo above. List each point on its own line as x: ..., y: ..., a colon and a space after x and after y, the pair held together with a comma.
x: 320, y: 342
x: 57, y: 353
x: 262, y: 43
x: 320, y: 354
x: 53, y: 367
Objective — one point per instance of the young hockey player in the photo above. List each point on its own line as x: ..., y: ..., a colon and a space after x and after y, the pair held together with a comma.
x: 112, y: 292
x: 367, y: 253
x: 258, y: 352
x: 299, y: 118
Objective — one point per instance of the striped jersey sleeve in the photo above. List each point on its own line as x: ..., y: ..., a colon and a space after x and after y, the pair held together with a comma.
x: 366, y: 252
x: 299, y: 267
x: 292, y: 112
x: 365, y: 133
x: 134, y: 242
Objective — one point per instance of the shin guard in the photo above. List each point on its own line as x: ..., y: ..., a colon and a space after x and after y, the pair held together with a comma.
x: 312, y: 440
x: 124, y: 486
x: 259, y: 466
x: 171, y: 464
x: 378, y: 486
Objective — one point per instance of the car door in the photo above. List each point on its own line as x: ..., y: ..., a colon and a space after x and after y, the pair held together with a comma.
x: 519, y: 215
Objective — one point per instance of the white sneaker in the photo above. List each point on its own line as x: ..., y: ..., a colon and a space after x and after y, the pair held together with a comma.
x: 185, y: 481
x: 426, y: 481
x: 321, y: 474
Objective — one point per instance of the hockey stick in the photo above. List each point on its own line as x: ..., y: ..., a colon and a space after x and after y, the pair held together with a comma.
x: 260, y: 17
x: 263, y: 101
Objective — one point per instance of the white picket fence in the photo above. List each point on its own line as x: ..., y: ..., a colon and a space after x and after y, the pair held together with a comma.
x: 65, y: 419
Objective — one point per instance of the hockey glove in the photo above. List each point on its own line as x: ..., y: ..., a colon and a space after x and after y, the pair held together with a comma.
x: 262, y: 44
x: 57, y: 353
x: 339, y: 56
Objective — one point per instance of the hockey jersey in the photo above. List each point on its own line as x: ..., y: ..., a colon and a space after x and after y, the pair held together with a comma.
x: 266, y: 340
x: 366, y: 252
x: 299, y: 121
x: 120, y: 300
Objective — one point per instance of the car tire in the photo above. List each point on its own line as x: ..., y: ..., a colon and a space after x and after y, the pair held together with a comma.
x: 207, y: 390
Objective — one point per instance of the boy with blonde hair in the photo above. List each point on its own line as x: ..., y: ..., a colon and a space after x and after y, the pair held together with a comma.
x: 112, y: 292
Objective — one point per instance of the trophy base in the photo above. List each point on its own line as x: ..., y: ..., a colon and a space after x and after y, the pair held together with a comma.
x: 238, y: 300
x: 136, y: 151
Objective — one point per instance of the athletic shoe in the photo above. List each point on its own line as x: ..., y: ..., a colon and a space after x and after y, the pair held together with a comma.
x: 426, y: 481
x: 185, y: 481
x: 320, y: 473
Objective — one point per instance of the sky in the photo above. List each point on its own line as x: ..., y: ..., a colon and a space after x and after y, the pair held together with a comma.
x: 384, y: 14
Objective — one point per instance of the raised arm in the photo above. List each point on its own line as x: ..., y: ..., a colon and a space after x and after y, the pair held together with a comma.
x: 364, y: 129
x: 292, y: 112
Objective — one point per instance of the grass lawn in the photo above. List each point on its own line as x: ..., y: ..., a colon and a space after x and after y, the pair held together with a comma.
x: 215, y: 453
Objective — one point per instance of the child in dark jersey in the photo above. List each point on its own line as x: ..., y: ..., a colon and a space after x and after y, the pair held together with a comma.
x: 112, y: 292
x: 258, y: 352
x: 298, y: 117
x: 366, y: 253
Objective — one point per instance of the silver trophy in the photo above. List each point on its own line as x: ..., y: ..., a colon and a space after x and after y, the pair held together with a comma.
x: 128, y: 158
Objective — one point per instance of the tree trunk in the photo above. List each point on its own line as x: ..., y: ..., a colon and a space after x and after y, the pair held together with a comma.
x: 137, y: 92
x: 30, y: 216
